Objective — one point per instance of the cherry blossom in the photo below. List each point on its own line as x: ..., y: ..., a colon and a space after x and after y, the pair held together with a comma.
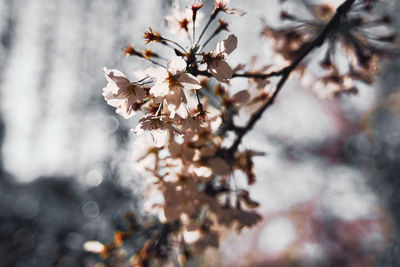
x: 122, y: 94
x: 169, y: 84
x: 197, y: 152
x: 217, y: 65
x: 158, y: 128
x: 196, y: 5
x: 180, y: 23
x: 360, y: 41
x: 223, y: 5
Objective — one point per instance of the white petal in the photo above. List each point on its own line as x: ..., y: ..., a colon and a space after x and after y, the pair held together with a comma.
x: 139, y: 129
x: 157, y: 73
x: 176, y: 66
x: 220, y: 47
x: 159, y: 89
x: 159, y: 137
x: 114, y: 102
x: 172, y: 114
x: 112, y: 99
x: 182, y: 111
x: 223, y: 2
x: 108, y: 92
x: 116, y: 72
x: 202, y: 67
x: 139, y: 74
x: 192, y: 237
x: 203, y: 171
x: 188, y: 81
x: 122, y: 111
x: 116, y: 80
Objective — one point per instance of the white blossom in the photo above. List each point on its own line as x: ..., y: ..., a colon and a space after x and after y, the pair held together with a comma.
x: 180, y: 23
x: 218, y: 66
x: 169, y: 84
x: 121, y: 93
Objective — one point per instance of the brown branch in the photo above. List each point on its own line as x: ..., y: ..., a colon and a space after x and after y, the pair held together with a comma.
x: 257, y: 75
x: 317, y: 41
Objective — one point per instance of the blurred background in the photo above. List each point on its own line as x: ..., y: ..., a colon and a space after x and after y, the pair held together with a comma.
x: 328, y: 186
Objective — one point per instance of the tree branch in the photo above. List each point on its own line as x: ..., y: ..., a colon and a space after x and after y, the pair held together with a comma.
x: 317, y: 41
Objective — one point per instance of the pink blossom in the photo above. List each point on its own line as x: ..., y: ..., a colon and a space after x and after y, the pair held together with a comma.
x: 158, y: 128
x: 179, y: 23
x: 121, y: 93
x: 196, y: 4
x: 220, y: 70
x: 217, y: 65
x: 169, y: 84
x: 227, y: 46
x: 223, y: 5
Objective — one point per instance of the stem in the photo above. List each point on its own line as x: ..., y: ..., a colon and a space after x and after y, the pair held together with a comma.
x: 140, y: 55
x: 142, y: 80
x: 159, y: 109
x: 213, y: 16
x: 199, y: 105
x: 194, y: 29
x: 155, y: 62
x: 341, y: 12
x: 175, y: 43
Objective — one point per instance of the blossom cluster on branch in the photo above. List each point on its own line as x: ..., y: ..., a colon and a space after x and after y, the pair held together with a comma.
x: 188, y: 109
x: 352, y: 49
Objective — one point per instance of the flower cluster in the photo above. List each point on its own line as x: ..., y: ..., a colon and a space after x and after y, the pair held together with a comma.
x: 188, y: 108
x: 353, y: 46
x: 186, y: 162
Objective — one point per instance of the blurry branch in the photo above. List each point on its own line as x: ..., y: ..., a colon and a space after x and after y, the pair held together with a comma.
x: 317, y: 41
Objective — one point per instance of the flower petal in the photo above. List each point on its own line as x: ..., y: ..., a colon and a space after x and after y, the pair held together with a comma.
x: 159, y: 137
x: 182, y: 111
x: 159, y: 89
x: 188, y: 81
x: 175, y: 102
x: 116, y: 80
x: 124, y: 112
x: 241, y: 97
x: 220, y: 70
x: 157, y: 73
x: 176, y: 66
x: 227, y: 46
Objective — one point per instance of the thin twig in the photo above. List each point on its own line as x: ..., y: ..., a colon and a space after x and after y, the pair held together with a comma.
x: 175, y: 43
